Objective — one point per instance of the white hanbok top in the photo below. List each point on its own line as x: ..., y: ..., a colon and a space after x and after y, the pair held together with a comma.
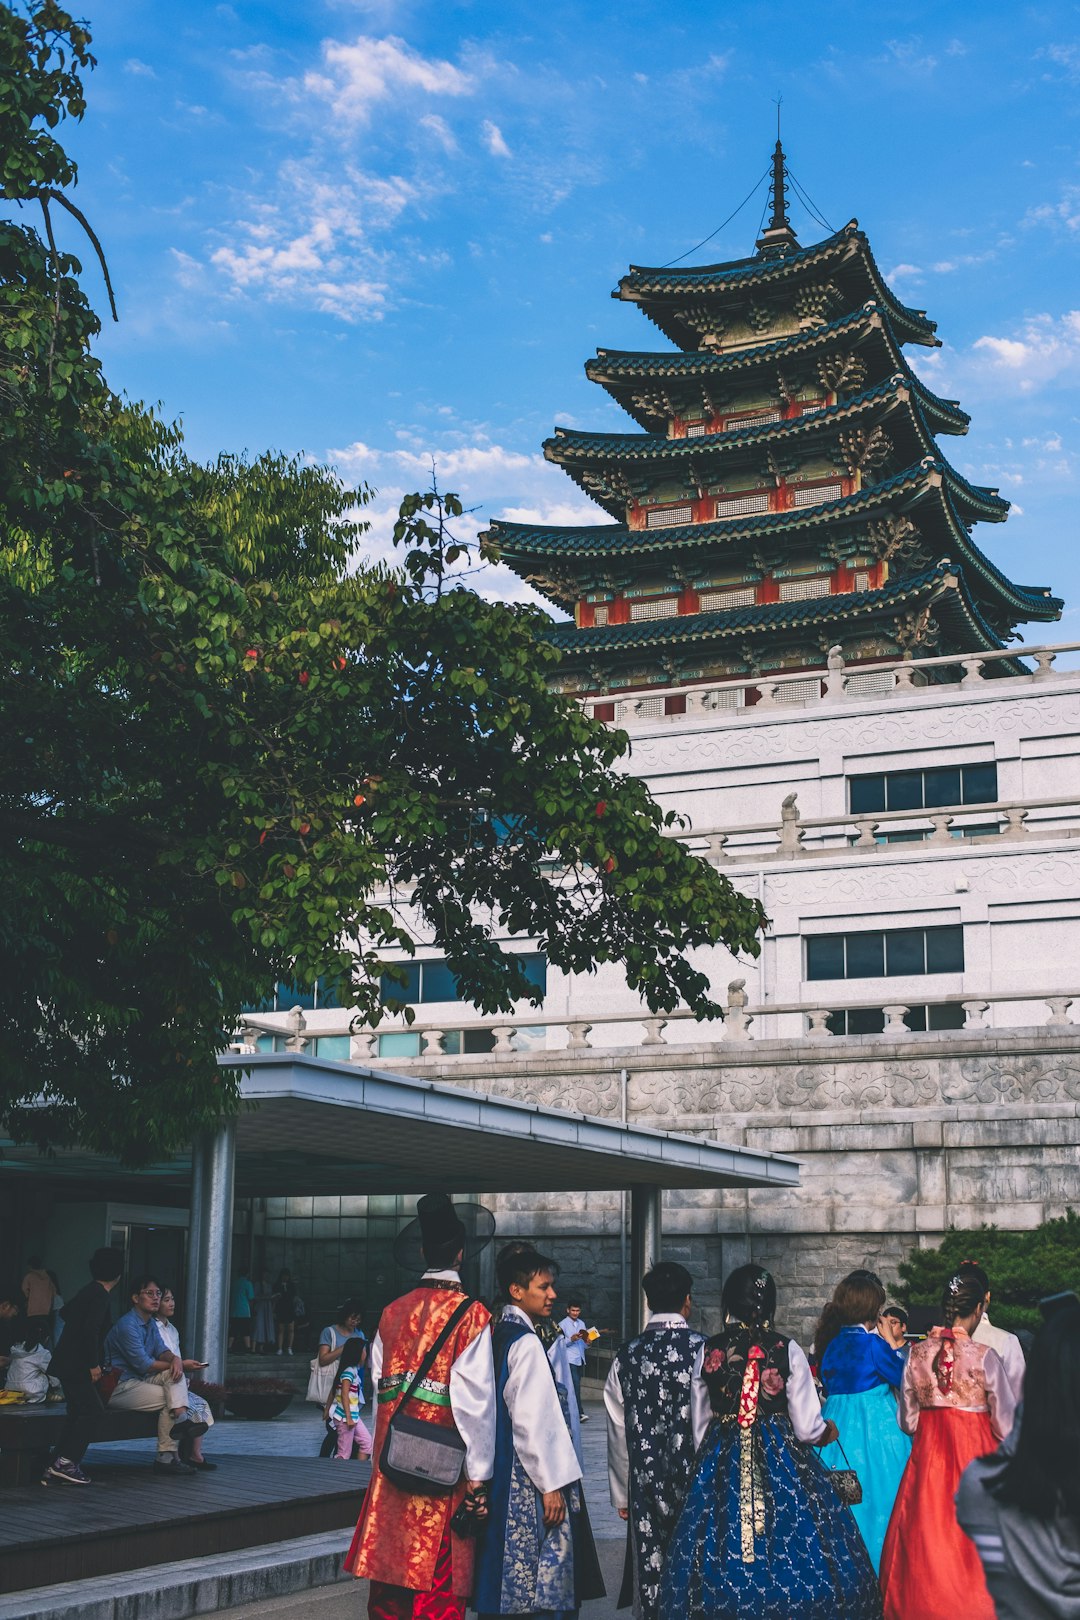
x: 472, y: 1392
x: 541, y: 1439
x: 1010, y: 1351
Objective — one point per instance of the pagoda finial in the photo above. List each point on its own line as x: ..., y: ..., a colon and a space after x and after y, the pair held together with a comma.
x: 778, y: 239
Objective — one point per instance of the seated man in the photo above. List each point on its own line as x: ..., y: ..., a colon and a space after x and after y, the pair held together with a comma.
x: 151, y: 1377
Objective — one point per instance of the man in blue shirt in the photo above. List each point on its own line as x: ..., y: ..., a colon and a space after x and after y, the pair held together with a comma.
x: 151, y: 1377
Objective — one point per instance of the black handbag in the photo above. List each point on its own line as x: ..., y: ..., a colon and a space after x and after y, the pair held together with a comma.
x: 423, y: 1458
x: 846, y: 1481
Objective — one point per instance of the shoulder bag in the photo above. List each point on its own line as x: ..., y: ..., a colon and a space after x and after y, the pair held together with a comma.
x: 846, y: 1481
x: 424, y: 1458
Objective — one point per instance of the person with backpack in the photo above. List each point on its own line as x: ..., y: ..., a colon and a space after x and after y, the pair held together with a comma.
x: 342, y: 1409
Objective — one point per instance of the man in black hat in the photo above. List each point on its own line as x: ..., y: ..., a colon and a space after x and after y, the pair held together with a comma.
x: 418, y: 1566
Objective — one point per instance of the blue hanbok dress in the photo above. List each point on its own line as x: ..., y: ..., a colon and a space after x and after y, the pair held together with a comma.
x: 860, y: 1372
x: 523, y: 1567
x: 762, y: 1534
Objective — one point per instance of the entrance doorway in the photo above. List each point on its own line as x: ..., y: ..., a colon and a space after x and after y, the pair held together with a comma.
x: 160, y: 1250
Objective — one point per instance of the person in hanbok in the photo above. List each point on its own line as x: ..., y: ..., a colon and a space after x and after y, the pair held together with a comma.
x: 537, y: 1556
x: 407, y: 1544
x: 762, y: 1534
x: 650, y: 1434
x: 957, y: 1402
x: 861, y: 1374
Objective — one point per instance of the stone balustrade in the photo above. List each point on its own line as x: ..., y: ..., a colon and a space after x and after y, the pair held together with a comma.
x: 748, y: 697
x: 733, y: 1028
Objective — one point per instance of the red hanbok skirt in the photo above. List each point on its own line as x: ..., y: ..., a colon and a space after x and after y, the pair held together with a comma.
x: 929, y: 1568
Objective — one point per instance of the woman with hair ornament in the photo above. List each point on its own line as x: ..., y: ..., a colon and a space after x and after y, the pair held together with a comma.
x: 957, y: 1402
x: 861, y: 1374
x: 762, y: 1534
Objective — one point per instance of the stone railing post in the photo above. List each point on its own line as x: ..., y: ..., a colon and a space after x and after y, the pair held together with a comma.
x: 866, y: 839
x: 1015, y: 818
x: 819, y: 1025
x: 894, y: 1020
x: 791, y: 834
x: 434, y: 1042
x: 975, y: 1014
x: 249, y: 1039
x: 504, y: 1034
x: 1059, y: 1012
x: 654, y: 1031
x: 1045, y: 662
x: 737, y: 1020
x: 362, y: 1045
x: 577, y: 1036
x: 297, y: 1038
x: 766, y: 694
x: 904, y: 678
x: 715, y: 850
x: 941, y: 833
x: 973, y: 675
x: 834, y: 680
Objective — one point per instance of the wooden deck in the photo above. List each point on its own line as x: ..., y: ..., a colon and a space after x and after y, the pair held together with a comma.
x: 131, y: 1518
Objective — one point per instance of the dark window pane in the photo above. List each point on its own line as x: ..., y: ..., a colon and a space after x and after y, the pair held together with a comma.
x: 941, y: 787
x: 391, y: 989
x: 945, y: 950
x: 536, y: 971
x: 904, y: 790
x: 293, y: 995
x: 865, y: 1021
x: 836, y: 1023
x: 905, y: 951
x: 437, y: 983
x: 865, y: 955
x: 915, y: 1018
x: 980, y: 784
x: 451, y: 1042
x: 867, y: 794
x: 326, y: 994
x: 949, y: 1015
x: 825, y: 956
x: 477, y: 1040
x: 911, y: 836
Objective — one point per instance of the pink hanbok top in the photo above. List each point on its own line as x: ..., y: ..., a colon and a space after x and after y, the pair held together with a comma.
x: 976, y: 1381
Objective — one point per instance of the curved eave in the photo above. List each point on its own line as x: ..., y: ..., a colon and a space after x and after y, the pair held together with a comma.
x: 660, y: 291
x: 849, y: 609
x: 621, y: 372
x: 577, y: 451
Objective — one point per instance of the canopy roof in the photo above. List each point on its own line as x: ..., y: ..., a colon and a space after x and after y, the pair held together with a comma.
x: 844, y: 258
x: 315, y: 1126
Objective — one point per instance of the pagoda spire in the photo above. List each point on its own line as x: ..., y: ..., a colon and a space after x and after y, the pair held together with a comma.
x: 778, y: 239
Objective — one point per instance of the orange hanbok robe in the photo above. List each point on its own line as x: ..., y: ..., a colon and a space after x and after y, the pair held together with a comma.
x: 399, y: 1536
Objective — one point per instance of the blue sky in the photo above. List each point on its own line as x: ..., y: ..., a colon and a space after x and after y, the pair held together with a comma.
x: 381, y: 232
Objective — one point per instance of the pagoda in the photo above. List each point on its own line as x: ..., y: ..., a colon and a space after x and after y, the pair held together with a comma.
x: 786, y: 492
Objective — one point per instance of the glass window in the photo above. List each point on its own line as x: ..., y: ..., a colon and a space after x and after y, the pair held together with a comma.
x: 945, y: 949
x: 477, y: 1040
x: 332, y: 1046
x: 865, y: 1021
x: 941, y: 786
x: 536, y: 971
x: 392, y: 990
x: 865, y: 955
x: 949, y: 1015
x: 405, y: 1043
x: 867, y: 794
x: 437, y: 983
x: 906, y: 951
x: 980, y: 784
x: 529, y: 1038
x: 289, y: 996
x: 904, y: 790
x: 825, y: 956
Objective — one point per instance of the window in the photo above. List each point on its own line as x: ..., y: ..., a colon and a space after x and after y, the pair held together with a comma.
x: 860, y: 581
x: 871, y: 682
x: 923, y: 790
x: 739, y: 505
x: 756, y: 419
x: 871, y: 1020
x: 876, y: 953
x: 801, y: 590
x: 659, y: 607
x: 696, y: 430
x: 284, y: 997
x: 814, y: 494
x: 739, y: 596
x: 433, y: 980
x: 600, y: 613
x: 920, y: 835
x: 662, y: 517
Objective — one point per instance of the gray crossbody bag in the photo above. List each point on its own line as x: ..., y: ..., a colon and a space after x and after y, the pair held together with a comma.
x: 422, y: 1458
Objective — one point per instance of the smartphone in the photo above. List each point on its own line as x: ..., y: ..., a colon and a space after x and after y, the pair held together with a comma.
x: 1053, y: 1303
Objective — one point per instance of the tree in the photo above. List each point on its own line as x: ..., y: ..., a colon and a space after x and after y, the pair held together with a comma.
x: 231, y: 750
x: 1023, y: 1267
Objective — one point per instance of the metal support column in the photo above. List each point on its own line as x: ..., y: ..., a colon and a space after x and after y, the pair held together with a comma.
x: 645, y: 1241
x: 215, y: 1223
x: 190, y: 1323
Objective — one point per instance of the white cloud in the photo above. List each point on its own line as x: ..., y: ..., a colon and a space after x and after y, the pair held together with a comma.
x: 356, y: 77
x: 1040, y: 350
x: 493, y: 139
x: 904, y: 272
x: 437, y: 126
x: 1063, y: 213
x: 139, y: 70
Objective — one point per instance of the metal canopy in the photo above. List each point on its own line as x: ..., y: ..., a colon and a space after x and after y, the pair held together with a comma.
x: 386, y: 1133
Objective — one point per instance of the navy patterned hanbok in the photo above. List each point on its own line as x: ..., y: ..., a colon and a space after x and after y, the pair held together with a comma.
x: 650, y: 1448
x: 762, y: 1534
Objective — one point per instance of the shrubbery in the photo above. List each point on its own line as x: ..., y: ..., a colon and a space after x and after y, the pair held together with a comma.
x: 1023, y: 1268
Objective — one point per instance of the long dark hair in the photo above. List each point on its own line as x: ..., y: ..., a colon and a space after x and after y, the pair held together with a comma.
x: 1043, y: 1475
x: 964, y: 1292
x: 353, y: 1355
x: 858, y: 1297
x: 749, y: 1296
